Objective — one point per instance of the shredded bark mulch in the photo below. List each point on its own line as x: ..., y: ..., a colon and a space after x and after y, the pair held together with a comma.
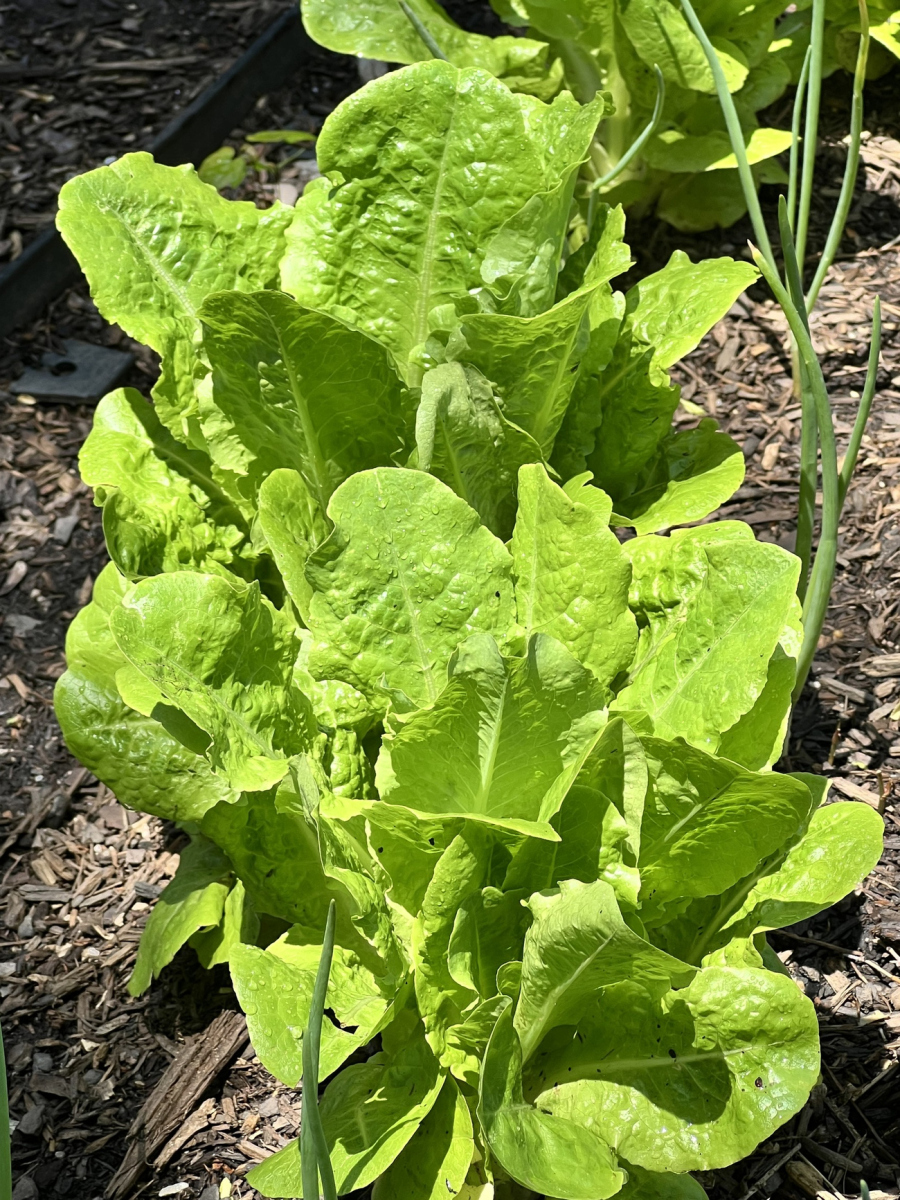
x: 163, y: 1095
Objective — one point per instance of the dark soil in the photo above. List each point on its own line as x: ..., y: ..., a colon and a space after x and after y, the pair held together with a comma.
x: 79, y: 874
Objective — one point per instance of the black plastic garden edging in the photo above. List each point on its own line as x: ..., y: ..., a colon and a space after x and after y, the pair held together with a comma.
x: 47, y: 266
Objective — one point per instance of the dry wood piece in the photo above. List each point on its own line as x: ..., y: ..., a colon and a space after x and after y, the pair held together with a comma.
x: 174, y: 1097
x: 198, y: 1120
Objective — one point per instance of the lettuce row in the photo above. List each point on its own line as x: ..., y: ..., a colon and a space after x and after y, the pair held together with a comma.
x: 368, y: 635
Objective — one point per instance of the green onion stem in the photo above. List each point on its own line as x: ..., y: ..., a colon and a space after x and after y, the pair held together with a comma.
x: 315, y: 1160
x: 811, y: 129
x: 809, y: 439
x: 736, y: 134
x: 795, y: 140
x: 865, y: 405
x: 851, y: 169
x: 422, y: 30
x: 822, y: 574
x: 642, y: 139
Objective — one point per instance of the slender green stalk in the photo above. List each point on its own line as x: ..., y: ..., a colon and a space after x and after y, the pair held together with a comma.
x: 315, y: 1160
x: 809, y: 440
x: 5, y: 1155
x: 736, y: 134
x: 851, y: 169
x: 422, y: 30
x: 811, y: 129
x: 643, y: 137
x: 865, y: 405
x: 822, y: 575
x: 795, y: 140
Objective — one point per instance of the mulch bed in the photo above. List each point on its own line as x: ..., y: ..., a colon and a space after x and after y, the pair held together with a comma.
x: 94, y: 1071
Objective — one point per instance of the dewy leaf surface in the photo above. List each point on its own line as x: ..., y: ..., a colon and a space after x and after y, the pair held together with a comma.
x: 711, y: 605
x: 577, y: 943
x: 497, y: 738
x: 694, y: 1081
x: 431, y: 161
x: 407, y: 574
x: 222, y: 654
x: 194, y: 900
x: 144, y: 764
x: 162, y: 508
x: 154, y: 241
x: 572, y: 577
x: 293, y: 388
x: 464, y: 439
x: 548, y: 1155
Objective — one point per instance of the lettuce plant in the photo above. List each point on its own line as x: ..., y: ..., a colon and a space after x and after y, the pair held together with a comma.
x: 369, y: 637
x: 644, y: 54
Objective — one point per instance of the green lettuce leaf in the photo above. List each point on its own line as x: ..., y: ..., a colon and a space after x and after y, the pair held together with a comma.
x: 162, y: 507
x: 464, y: 439
x: 275, y: 988
x: 195, y: 899
x: 239, y: 925
x: 497, y: 739
x: 707, y: 823
x: 431, y: 160
x: 623, y: 415
x: 406, y: 575
x: 548, y: 1155
x: 572, y: 576
x: 147, y: 767
x: 222, y: 654
x: 369, y: 1112
x: 599, y: 823
x: 435, y: 1160
x: 154, y: 241
x: 711, y: 605
x: 297, y: 389
x: 380, y: 29
x: 694, y: 472
x: 579, y: 943
x: 693, y: 1081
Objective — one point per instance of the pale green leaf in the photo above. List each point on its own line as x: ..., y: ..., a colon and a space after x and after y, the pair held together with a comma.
x: 707, y: 823
x: 694, y: 472
x: 545, y: 1154
x: 134, y: 754
x: 297, y: 389
x: 407, y: 574
x: 711, y: 605
x: 572, y: 576
x: 432, y: 162
x: 498, y: 737
x: 676, y: 150
x: 369, y: 1113
x: 223, y: 655
x: 464, y: 439
x: 690, y: 1082
x: 194, y: 900
x: 239, y: 925
x: 577, y: 944
x: 162, y: 508
x: 434, y: 1163
x: 154, y: 241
